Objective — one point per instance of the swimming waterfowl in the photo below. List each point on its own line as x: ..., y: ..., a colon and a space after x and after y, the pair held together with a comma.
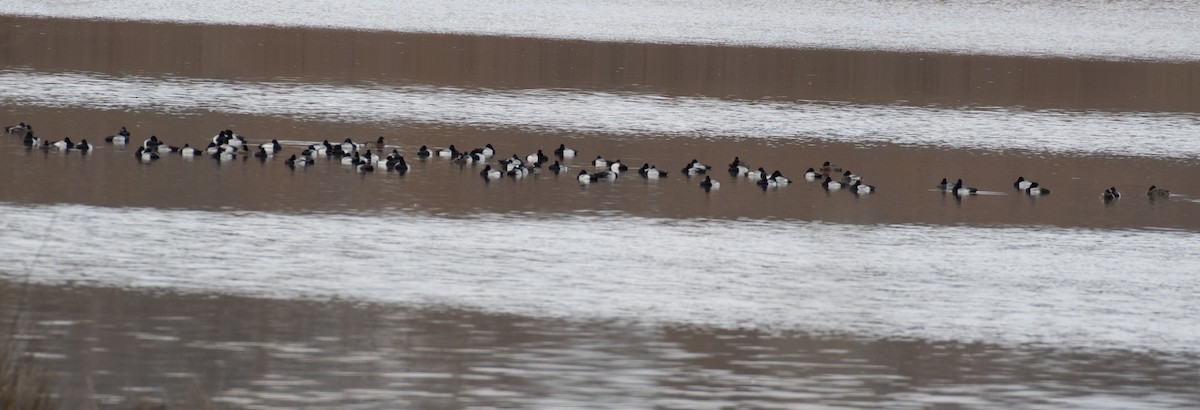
x: 64, y: 145
x: 764, y: 182
x: 813, y: 175
x: 188, y: 151
x: 756, y: 174
x: 294, y: 161
x: 779, y: 178
x: 262, y: 153
x: 829, y: 168
x: 349, y: 146
x: 585, y: 178
x: 396, y: 162
x: 1110, y: 194
x: 831, y: 185
x: 959, y: 189
x: 651, y: 172
x: 617, y: 166
x: 708, y: 183
x: 556, y: 167
x: 536, y: 158
x: 423, y: 152
x: 1035, y: 190
x: 1022, y: 183
x: 695, y: 167
x: 145, y: 155
x: 490, y: 174
x: 563, y: 152
x: 599, y: 162
x: 20, y: 128
x: 151, y: 143
x: 83, y: 146
x: 1156, y: 192
x: 945, y: 185
x: 849, y: 177
x: 447, y: 152
x: 738, y: 167
x: 30, y: 140
x: 860, y: 188
x: 273, y: 146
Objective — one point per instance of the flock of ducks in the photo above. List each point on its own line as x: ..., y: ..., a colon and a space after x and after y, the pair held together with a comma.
x: 226, y: 146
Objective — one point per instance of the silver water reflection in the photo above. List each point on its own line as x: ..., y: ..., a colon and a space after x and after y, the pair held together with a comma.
x: 1045, y: 286
x: 626, y: 114
x: 1107, y: 30
x: 181, y: 349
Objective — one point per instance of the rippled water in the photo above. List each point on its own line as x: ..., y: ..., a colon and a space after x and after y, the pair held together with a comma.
x: 1123, y: 29
x: 1073, y: 287
x: 1141, y: 134
x: 260, y: 353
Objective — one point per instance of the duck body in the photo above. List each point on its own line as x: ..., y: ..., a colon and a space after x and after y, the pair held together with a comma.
x: 563, y: 152
x: 1156, y: 192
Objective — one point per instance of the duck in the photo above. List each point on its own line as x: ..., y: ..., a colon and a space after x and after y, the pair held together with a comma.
x: 145, y: 155
x: 1156, y: 192
x: 1110, y: 194
x: 488, y: 151
x: 188, y: 151
x: 349, y: 146
x: 945, y: 185
x: 225, y: 153
x: 651, y: 172
x: 557, y: 168
x: 737, y: 167
x: 536, y: 158
x: 849, y: 177
x: 618, y: 166
x: 828, y: 168
x: 599, y: 162
x: 351, y: 159
x: 764, y: 182
x: 708, y: 183
x: 490, y: 174
x: 757, y: 174
x: 813, y: 175
x: 31, y: 141
x: 121, y: 137
x: 585, y: 178
x: 447, y: 152
x: 959, y: 189
x: 423, y: 152
x: 1022, y: 183
x: 262, y: 153
x: 1036, y: 190
x: 779, y: 178
x: 608, y: 175
x: 64, y: 145
x: 563, y: 152
x: 20, y: 128
x: 301, y: 161
x: 83, y: 146
x: 830, y: 184
x: 151, y: 143
x: 273, y: 146
x: 397, y: 163
x: 860, y: 188
x: 695, y: 167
